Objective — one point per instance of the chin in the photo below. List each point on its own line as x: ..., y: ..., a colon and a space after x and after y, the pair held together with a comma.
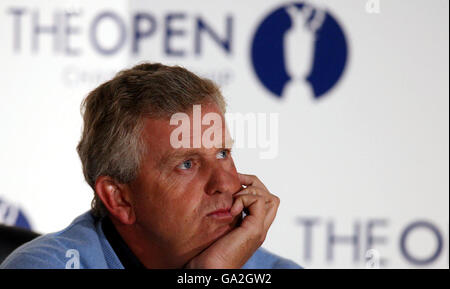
x: 220, y: 230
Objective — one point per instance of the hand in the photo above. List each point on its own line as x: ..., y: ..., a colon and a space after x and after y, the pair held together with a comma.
x: 234, y: 249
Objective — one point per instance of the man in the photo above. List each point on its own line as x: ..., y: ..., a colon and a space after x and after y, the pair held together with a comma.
x: 158, y: 204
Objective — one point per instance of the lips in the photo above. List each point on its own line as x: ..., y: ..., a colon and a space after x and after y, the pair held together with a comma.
x: 221, y: 213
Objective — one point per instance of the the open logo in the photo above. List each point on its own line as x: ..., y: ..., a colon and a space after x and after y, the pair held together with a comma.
x: 299, y: 49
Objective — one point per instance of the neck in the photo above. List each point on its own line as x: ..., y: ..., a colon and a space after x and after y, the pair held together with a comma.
x: 149, y: 251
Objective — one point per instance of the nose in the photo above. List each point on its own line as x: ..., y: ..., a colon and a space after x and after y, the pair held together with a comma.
x: 223, y: 181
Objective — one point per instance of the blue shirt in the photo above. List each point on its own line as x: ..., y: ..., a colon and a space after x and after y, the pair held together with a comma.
x: 83, y: 245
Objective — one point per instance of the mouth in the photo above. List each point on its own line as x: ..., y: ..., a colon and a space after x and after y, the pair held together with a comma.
x: 221, y: 214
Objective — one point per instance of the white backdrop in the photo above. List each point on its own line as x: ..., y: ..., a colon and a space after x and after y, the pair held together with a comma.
x: 363, y: 165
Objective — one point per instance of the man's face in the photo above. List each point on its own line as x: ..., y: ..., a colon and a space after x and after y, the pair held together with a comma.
x: 177, y: 188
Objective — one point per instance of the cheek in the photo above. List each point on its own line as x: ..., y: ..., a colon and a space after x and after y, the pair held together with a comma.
x: 183, y: 201
x: 151, y: 202
x: 172, y: 201
x: 189, y: 199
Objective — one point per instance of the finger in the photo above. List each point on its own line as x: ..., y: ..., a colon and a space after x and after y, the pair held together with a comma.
x: 252, y: 190
x: 253, y: 203
x: 271, y: 203
x: 271, y: 211
x: 251, y: 180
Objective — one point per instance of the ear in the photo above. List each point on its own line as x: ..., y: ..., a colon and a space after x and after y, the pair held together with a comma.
x: 117, y: 199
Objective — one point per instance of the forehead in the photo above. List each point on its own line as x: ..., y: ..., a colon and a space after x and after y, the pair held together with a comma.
x: 157, y: 133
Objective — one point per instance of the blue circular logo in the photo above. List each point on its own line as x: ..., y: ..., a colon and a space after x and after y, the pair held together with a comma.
x: 13, y: 216
x: 299, y: 48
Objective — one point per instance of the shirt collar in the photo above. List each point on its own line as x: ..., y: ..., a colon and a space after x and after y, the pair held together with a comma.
x: 123, y: 252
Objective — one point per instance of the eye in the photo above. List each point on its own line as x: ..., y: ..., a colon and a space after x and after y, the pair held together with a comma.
x: 186, y: 165
x: 223, y: 154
